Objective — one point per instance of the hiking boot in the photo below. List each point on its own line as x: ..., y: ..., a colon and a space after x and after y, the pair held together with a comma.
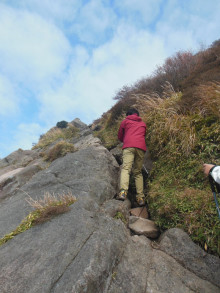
x: 122, y: 195
x: 140, y: 201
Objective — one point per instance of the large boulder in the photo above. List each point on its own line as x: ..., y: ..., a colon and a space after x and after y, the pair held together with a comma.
x: 131, y: 272
x: 178, y: 244
x: 90, y: 172
x: 167, y: 275
x: 143, y: 269
x: 74, y: 252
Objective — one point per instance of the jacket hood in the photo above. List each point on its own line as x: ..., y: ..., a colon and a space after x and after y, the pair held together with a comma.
x: 134, y: 117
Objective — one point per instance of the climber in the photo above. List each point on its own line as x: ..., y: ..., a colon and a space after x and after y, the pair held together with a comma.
x: 213, y: 172
x: 132, y: 133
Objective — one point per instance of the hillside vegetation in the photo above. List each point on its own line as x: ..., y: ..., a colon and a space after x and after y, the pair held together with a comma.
x: 180, y: 103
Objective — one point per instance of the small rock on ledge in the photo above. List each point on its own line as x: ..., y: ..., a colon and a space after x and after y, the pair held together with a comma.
x: 144, y: 227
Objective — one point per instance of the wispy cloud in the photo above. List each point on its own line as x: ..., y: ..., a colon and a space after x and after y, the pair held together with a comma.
x: 33, y: 51
x: 8, y: 100
x: 128, y: 56
x: 188, y: 24
x: 27, y: 134
x: 140, y: 12
x: 95, y: 22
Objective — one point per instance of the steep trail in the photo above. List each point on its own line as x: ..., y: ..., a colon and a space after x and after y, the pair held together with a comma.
x: 89, y: 249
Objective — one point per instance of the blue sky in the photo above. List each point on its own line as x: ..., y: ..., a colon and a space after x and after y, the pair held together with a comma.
x: 62, y: 59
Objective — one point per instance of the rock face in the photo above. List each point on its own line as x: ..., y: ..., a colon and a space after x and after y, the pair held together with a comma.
x: 89, y: 249
x: 177, y: 244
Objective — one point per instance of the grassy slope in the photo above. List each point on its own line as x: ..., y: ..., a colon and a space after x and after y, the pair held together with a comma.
x: 183, y: 133
x: 179, y: 195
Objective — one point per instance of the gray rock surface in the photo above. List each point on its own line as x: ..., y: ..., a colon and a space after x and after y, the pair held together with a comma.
x: 112, y: 207
x: 91, y: 270
x: 67, y: 254
x: 177, y: 244
x: 130, y: 275
x: 86, y: 141
x: 78, y: 123
x: 9, y: 174
x: 87, y: 249
x: 15, y: 179
x: 19, y: 158
x: 84, y: 173
x: 143, y: 269
x: 167, y: 275
x: 117, y: 153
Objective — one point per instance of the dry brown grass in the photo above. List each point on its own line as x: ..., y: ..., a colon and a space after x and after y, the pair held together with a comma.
x: 59, y: 150
x: 49, y: 137
x: 44, y: 209
x: 209, y: 99
x: 50, y: 212
x: 166, y: 124
x: 54, y: 134
x: 49, y: 200
x: 50, y: 206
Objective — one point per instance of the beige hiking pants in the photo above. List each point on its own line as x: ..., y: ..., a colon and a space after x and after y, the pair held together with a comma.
x: 135, y: 157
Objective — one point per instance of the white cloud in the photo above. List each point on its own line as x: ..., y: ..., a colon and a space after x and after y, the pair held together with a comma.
x: 54, y: 10
x: 185, y: 25
x: 94, y: 19
x: 21, y: 137
x: 92, y: 82
x: 8, y: 99
x: 26, y: 134
x: 33, y: 51
x: 57, y: 105
x: 144, y: 11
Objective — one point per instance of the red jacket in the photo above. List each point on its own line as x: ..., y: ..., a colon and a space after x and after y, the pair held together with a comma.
x: 132, y: 132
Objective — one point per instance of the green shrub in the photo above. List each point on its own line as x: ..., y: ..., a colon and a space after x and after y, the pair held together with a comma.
x: 62, y: 124
x: 120, y: 216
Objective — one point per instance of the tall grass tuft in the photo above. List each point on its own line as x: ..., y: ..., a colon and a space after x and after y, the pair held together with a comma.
x: 50, y: 205
x: 168, y: 128
x: 44, y: 209
x: 59, y: 150
x: 209, y: 102
x: 54, y: 134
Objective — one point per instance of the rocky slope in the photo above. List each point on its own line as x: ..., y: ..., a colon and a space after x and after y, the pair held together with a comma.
x: 88, y: 249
